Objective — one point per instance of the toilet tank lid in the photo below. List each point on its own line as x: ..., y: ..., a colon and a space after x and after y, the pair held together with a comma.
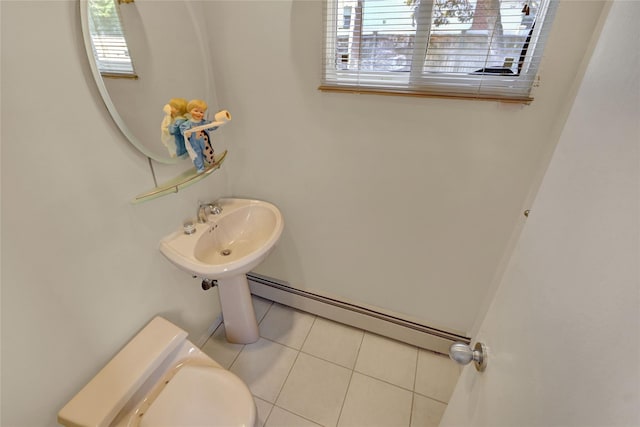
x: 103, y: 397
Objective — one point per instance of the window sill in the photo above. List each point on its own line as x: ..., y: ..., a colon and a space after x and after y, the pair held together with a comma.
x: 415, y: 94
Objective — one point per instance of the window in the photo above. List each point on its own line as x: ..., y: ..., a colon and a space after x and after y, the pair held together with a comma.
x: 108, y: 40
x: 488, y: 49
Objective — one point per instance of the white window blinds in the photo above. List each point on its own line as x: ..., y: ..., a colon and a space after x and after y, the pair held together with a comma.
x: 462, y: 48
x: 108, y: 40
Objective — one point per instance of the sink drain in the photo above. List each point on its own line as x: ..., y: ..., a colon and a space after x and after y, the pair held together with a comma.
x: 225, y: 252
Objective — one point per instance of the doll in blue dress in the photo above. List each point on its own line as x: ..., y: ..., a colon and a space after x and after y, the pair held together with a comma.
x: 198, y: 142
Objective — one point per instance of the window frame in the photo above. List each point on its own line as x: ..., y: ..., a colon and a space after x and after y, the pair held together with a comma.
x: 516, y: 88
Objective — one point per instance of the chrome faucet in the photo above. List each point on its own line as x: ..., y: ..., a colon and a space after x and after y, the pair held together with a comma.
x: 204, y: 209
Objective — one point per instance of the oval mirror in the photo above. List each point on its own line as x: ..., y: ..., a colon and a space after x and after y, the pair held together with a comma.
x: 157, y: 54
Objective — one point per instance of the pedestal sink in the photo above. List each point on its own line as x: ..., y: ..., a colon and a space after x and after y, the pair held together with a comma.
x: 224, y: 248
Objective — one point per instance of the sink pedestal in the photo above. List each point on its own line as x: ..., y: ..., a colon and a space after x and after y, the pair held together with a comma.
x: 239, y: 319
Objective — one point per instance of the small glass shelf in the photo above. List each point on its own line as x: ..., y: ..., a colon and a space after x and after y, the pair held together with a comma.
x: 183, y: 180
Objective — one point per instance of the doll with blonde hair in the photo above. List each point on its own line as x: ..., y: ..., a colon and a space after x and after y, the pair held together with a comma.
x: 171, y: 137
x: 197, y: 141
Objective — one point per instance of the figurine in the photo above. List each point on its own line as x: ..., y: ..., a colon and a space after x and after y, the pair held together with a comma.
x: 196, y: 134
x: 171, y: 137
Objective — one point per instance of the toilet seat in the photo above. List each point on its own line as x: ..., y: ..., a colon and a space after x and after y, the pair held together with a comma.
x: 197, y: 395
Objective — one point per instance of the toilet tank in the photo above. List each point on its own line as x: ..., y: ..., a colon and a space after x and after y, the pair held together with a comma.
x: 103, y: 397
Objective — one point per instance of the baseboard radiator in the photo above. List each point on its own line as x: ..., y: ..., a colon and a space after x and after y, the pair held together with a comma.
x: 428, y: 338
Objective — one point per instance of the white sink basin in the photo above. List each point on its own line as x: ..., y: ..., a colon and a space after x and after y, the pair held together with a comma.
x: 225, y: 248
x: 228, y: 244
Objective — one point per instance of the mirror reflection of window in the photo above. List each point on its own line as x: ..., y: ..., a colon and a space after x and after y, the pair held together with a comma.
x: 108, y: 40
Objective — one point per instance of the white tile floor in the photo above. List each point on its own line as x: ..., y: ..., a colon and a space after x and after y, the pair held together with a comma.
x: 308, y: 371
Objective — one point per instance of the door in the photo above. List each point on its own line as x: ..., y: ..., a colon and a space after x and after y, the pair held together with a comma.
x: 563, y: 329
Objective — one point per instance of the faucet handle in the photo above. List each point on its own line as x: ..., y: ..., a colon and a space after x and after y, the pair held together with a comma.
x: 204, y: 209
x: 215, y: 208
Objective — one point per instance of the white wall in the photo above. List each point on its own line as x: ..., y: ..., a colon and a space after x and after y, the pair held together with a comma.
x: 401, y: 203
x: 388, y: 201
x: 563, y: 331
x: 81, y: 270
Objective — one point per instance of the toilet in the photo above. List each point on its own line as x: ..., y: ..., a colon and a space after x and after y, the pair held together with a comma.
x: 161, y: 379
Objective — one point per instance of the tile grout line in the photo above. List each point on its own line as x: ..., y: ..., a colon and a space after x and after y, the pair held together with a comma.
x: 270, y: 410
x: 243, y: 345
x: 384, y: 381
x: 288, y: 373
x: 293, y: 413
x: 292, y: 365
x: 266, y: 312
x: 351, y: 378
x: 413, y: 394
x: 236, y: 357
x: 431, y: 398
x: 221, y: 325
x: 294, y: 362
x: 306, y: 337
